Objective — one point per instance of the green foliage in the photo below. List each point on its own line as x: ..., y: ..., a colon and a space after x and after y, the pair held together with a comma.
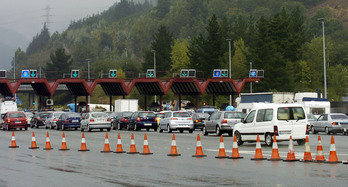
x: 239, y: 61
x: 61, y: 63
x: 179, y: 57
x: 39, y: 42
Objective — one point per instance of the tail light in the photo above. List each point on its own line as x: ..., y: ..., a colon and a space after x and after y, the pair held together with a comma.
x: 109, y: 119
x: 224, y: 121
x: 91, y: 120
x: 334, y: 123
x: 8, y: 120
x: 174, y: 118
x: 189, y: 118
x: 124, y: 119
x: 26, y: 119
x: 197, y: 120
x: 55, y: 119
x: 275, y: 129
x: 156, y: 119
x: 138, y: 119
x: 307, y: 129
x: 67, y: 121
x: 38, y: 118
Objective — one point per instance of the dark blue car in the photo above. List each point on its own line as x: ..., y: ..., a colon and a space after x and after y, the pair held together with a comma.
x: 69, y: 120
x: 142, y: 120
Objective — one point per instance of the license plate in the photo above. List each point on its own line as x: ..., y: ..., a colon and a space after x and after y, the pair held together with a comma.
x: 75, y: 121
x: 148, y: 124
x: 18, y: 122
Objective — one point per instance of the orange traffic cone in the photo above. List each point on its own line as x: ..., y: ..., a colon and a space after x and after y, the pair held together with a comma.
x: 119, y: 148
x: 235, y: 152
x: 146, y: 150
x: 63, y: 147
x: 106, y: 145
x: 13, y: 142
x: 222, y: 153
x: 83, y: 143
x: 275, y: 152
x: 173, y: 151
x: 333, y: 156
x: 33, y: 142
x: 258, y: 150
x: 291, y: 154
x: 320, y: 154
x: 48, y: 143
x: 307, y: 157
x: 133, y: 149
x: 199, y: 150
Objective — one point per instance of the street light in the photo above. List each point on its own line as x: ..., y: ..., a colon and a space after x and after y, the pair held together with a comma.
x: 229, y: 55
x: 154, y: 67
x: 322, y: 23
x: 251, y: 83
x: 126, y: 55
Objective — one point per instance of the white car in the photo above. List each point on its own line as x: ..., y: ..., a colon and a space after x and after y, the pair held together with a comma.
x: 283, y: 120
x: 95, y: 120
x: 51, y: 120
x: 176, y: 120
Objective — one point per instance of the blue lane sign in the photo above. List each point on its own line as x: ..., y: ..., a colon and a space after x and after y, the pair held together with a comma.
x: 25, y: 73
x: 252, y: 73
x: 217, y: 73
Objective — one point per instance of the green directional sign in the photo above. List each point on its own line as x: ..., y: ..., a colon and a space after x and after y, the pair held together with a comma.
x: 184, y: 73
x: 113, y: 73
x: 33, y: 73
x: 224, y: 73
x: 74, y: 73
x: 150, y: 73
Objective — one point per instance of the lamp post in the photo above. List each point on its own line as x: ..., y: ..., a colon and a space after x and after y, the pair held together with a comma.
x: 229, y: 56
x: 126, y: 55
x: 154, y: 67
x: 251, y: 83
x: 14, y: 71
x: 322, y: 23
x: 88, y: 69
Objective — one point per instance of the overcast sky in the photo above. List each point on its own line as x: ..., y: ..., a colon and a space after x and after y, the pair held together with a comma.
x: 27, y: 16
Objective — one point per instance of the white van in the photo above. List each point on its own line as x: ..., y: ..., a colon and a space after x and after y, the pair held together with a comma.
x: 7, y: 105
x: 283, y: 120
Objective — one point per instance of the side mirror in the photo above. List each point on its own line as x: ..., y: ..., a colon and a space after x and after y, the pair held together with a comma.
x: 242, y: 120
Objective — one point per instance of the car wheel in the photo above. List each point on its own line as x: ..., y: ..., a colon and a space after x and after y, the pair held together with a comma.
x: 113, y: 125
x: 101, y: 129
x: 108, y: 129
x: 155, y: 129
x: 268, y: 139
x: 7, y: 128
x: 301, y: 142
x: 88, y: 128
x: 147, y: 129
x: 239, y: 138
x: 218, y: 131
x: 230, y: 133
x: 36, y: 126
x: 46, y: 126
x: 128, y: 127
x: 327, y: 130
x: 135, y: 127
x: 63, y: 128
x: 313, y: 130
x: 181, y: 131
x: 204, y: 130
x: 168, y: 129
x: 190, y: 131
x: 119, y: 126
x: 81, y: 129
x: 160, y: 130
x: 26, y: 128
x: 57, y: 127
x: 51, y: 127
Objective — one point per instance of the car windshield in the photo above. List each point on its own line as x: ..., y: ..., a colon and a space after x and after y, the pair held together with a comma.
x: 339, y: 116
x: 160, y: 115
x: 74, y: 115
x: 17, y: 115
x: 146, y: 114
x: 99, y: 115
x: 233, y: 115
x: 311, y: 117
x: 57, y: 115
x: 202, y: 115
x: 113, y: 115
x: 181, y: 114
x: 127, y: 114
x: 29, y: 115
x: 43, y: 115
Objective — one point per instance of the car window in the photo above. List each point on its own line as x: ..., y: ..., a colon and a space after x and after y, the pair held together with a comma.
x: 233, y: 115
x: 57, y: 115
x: 167, y: 115
x: 146, y: 114
x: 264, y: 115
x: 339, y: 116
x: 250, y: 117
x: 73, y: 115
x: 29, y: 115
x: 126, y: 114
x: 215, y: 116
x: 62, y: 116
x: 17, y: 115
x: 311, y: 116
x: 325, y: 117
x: 160, y: 115
x: 99, y: 115
x: 320, y: 118
x: 42, y: 115
x: 181, y: 114
x: 290, y: 113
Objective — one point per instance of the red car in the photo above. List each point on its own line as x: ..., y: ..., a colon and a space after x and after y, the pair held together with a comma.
x: 13, y: 120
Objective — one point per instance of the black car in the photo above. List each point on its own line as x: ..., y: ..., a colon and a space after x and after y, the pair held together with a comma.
x: 119, y: 120
x: 142, y: 120
x: 198, y: 120
x: 39, y: 119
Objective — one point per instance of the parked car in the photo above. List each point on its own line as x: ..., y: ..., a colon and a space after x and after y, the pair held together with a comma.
x: 330, y: 123
x: 142, y: 120
x: 95, y: 120
x: 311, y: 119
x: 14, y: 120
x: 119, y: 120
x: 266, y: 120
x: 175, y: 120
x: 29, y: 116
x: 39, y: 119
x: 69, y: 120
x: 51, y: 120
x: 198, y: 120
x: 159, y: 116
x: 221, y: 122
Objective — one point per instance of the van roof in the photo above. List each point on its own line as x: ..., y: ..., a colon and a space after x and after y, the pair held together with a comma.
x: 274, y: 105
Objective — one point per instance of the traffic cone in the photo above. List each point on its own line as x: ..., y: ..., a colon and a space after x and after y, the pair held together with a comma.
x: 33, y: 142
x: 320, y: 154
x: 222, y: 153
x: 63, y: 147
x: 307, y: 157
x: 258, y: 150
x: 83, y: 143
x: 291, y: 154
x: 106, y: 145
x: 333, y: 156
x: 48, y: 143
x: 275, y: 152
x: 173, y: 151
x: 235, y: 152
x: 146, y: 150
x: 199, y: 150
x: 133, y: 149
x: 13, y: 142
x: 119, y: 148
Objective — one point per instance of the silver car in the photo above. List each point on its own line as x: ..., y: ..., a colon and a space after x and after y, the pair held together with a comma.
x: 221, y: 122
x: 331, y: 123
x: 175, y: 120
x: 29, y: 115
x: 51, y: 120
x: 95, y: 120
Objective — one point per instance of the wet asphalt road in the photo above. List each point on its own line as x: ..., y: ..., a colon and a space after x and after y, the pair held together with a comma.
x: 26, y: 167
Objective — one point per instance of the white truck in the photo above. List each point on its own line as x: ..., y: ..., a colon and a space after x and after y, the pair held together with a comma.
x: 125, y: 105
x: 312, y: 103
x: 7, y: 105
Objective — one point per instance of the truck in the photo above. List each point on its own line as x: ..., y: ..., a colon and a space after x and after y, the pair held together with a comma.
x: 8, y: 104
x: 81, y: 107
x: 126, y: 105
x: 313, y: 103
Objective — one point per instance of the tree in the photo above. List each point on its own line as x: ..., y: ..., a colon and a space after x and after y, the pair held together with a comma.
x: 61, y: 63
x: 180, y: 59
x: 239, y: 61
x: 39, y: 42
x: 105, y: 41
